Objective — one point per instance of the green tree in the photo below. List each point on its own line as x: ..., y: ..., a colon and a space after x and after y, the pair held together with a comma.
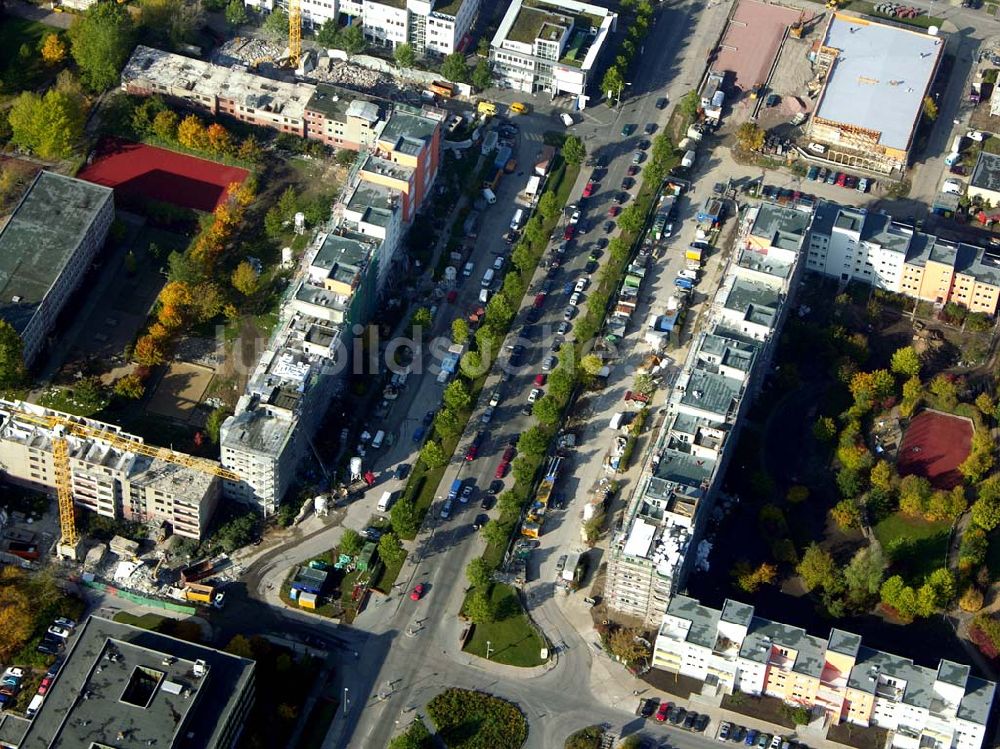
x: 351, y: 542
x: 930, y: 108
x: 631, y: 219
x: 390, y: 548
x: 864, y: 573
x: 12, y: 371
x: 245, y: 279
x: 478, y: 573
x: 819, y: 570
x: 613, y: 83
x: 214, y: 423
x: 591, y: 364
x: 986, y: 509
x: 165, y: 125
x: 824, y: 429
x: 497, y: 532
x: 101, y: 41
x: 460, y: 330
x: 404, y: 56
x: 573, y: 150
x: 421, y: 318
x: 479, y: 608
x: 482, y: 76
x: 50, y: 126
x: 547, y: 410
x: 689, y: 104
x: 846, y: 514
x: 455, y: 68
x: 914, y: 495
x: 882, y: 476
x: 236, y: 13
x: 900, y: 597
x: 405, y: 518
x: 750, y: 136
x: 905, y: 362
x: 352, y: 39
x: 447, y: 424
x: 548, y: 206
x: 627, y: 644
x: 456, y: 396
x: 275, y: 26
x: 236, y: 533
x: 433, y: 455
x: 945, y: 388
x: 936, y: 593
x: 471, y: 364
x: 328, y: 34
x: 533, y: 441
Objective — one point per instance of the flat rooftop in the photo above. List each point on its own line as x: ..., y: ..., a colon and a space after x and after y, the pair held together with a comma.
x: 752, y: 41
x: 122, y: 686
x: 879, y: 77
x: 986, y: 175
x: 187, y: 77
x: 408, y: 130
x: 712, y: 392
x: 46, y: 228
x: 525, y: 21
x: 784, y: 228
x: 337, y: 103
x: 258, y: 430
x: 758, y: 302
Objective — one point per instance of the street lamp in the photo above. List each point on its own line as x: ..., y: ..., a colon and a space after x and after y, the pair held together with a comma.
x: 623, y: 85
x: 346, y: 701
x: 489, y: 648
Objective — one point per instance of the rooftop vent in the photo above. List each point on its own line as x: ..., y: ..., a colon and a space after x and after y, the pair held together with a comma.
x: 200, y: 668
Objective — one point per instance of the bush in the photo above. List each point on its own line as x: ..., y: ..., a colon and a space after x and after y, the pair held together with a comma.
x: 585, y: 738
x: 476, y: 720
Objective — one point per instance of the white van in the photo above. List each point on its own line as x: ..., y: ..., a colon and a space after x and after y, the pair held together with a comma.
x: 688, y: 274
x: 384, y: 502
x: 34, y: 706
x: 515, y: 223
x: 487, y: 278
x: 484, y: 296
x: 952, y: 187
x: 489, y: 195
x: 379, y: 439
x: 469, y: 267
x: 567, y: 119
x: 616, y: 421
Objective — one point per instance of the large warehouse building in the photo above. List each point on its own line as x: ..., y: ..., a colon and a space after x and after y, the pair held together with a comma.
x: 45, y: 249
x: 876, y: 79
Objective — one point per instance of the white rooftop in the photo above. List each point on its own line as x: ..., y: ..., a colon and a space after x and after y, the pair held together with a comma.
x: 879, y: 78
x: 640, y: 538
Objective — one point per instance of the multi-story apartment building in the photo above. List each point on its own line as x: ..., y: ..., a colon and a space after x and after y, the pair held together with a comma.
x: 105, y: 479
x: 659, y: 541
x: 852, y: 244
x: 838, y: 679
x: 431, y: 27
x: 218, y: 90
x: 551, y: 46
x: 46, y: 248
x: 343, y: 275
x: 120, y: 685
x: 342, y: 118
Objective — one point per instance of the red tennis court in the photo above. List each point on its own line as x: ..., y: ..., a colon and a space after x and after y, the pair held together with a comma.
x: 934, y: 445
x: 135, y: 169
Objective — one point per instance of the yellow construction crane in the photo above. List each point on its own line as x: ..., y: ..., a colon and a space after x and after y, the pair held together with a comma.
x: 294, y: 32
x: 63, y: 427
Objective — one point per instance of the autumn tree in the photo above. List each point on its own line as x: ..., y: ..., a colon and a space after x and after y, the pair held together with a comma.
x: 882, y: 476
x: 946, y: 389
x: 750, y: 136
x: 460, y: 330
x: 191, y: 133
x: 905, y: 362
x: 914, y: 495
x: 847, y: 514
x: 129, y: 387
x: 149, y: 351
x: 16, y: 614
x: 218, y: 139
x: 750, y: 579
x: 626, y: 644
x: 818, y: 569
x: 53, y: 49
x: 245, y: 279
x: 165, y: 125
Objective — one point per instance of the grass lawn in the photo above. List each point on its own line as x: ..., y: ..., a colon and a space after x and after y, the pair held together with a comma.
x: 915, y: 547
x: 514, y: 641
x: 388, y: 575
x: 146, y: 621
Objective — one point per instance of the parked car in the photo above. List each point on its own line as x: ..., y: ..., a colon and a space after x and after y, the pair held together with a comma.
x: 772, y: 100
x: 62, y: 621
x: 689, y: 721
x: 661, y: 714
x: 751, y: 738
x: 661, y: 103
x: 763, y: 740
x: 812, y: 173
x: 589, y: 189
x: 417, y: 593
x: 501, y: 470
x: 737, y: 734
x: 60, y: 632
x: 638, y: 157
x: 647, y: 708
x: 700, y: 723
x: 832, y: 177
x: 627, y: 130
x: 724, y: 730
x: 650, y: 128
x: 862, y: 185
x: 775, y: 743
x: 481, y: 520
x: 676, y: 715
x: 466, y: 494
x: 561, y: 563
x: 612, y: 212
x: 419, y: 432
x: 487, y: 416
x: 446, y: 509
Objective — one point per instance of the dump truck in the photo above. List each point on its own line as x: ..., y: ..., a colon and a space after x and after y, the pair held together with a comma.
x: 200, y: 593
x: 442, y: 88
x: 197, y: 571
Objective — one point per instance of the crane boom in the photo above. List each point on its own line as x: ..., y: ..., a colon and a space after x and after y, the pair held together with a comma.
x: 294, y: 32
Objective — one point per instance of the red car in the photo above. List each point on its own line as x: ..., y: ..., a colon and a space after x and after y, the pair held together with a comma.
x: 614, y: 210
x: 568, y: 232
x: 471, y: 453
x: 539, y: 301
x: 418, y: 593
x: 452, y: 296
x: 589, y: 189
x: 501, y: 470
x: 508, y: 454
x: 841, y: 179
x: 661, y: 714
x: 539, y: 380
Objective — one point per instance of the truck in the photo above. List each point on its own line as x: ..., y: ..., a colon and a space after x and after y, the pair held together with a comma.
x: 199, y: 593
x: 517, y: 220
x: 544, y: 161
x: 442, y: 88
x: 687, y: 160
x: 712, y: 85
x: 456, y: 487
x: 197, y: 571
x: 486, y: 108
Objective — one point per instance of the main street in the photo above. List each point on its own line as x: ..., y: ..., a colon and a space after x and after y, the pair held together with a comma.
x: 412, y: 647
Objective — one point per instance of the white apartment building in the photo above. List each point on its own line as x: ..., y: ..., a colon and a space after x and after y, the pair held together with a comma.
x: 551, y: 46
x: 838, y: 679
x: 659, y: 541
x: 46, y: 247
x: 435, y: 28
x: 852, y: 244
x: 106, y: 479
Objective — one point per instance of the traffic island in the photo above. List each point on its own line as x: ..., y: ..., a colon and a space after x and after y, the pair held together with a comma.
x: 333, y: 585
x: 464, y: 718
x: 501, y: 630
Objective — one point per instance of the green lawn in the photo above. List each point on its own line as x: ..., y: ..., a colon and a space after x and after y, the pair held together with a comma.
x: 387, y: 577
x: 915, y: 547
x: 513, y: 640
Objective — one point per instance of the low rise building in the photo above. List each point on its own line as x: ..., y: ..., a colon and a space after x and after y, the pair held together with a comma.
x: 106, y: 478
x: 838, y: 678
x: 341, y: 118
x: 124, y: 686
x: 46, y: 248
x: 852, y: 244
x: 551, y: 46
x: 985, y: 180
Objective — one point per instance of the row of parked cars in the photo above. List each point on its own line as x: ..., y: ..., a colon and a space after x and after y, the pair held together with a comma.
x: 841, y: 179
x: 668, y: 712
x: 753, y: 738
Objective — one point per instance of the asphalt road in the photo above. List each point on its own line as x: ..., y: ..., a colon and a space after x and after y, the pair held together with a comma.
x: 411, y: 649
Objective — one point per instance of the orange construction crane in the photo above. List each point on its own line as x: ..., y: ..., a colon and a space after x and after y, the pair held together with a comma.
x: 294, y: 32
x: 63, y: 427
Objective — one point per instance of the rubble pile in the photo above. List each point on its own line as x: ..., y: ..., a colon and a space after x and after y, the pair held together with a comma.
x: 246, y: 51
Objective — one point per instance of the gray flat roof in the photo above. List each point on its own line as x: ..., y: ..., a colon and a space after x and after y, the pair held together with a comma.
x: 737, y: 612
x: 43, y: 233
x: 758, y: 302
x: 336, y: 102
x: 704, y: 620
x: 764, y: 634
x: 782, y: 227
x: 123, y: 686
x: 879, y: 78
x: 986, y: 175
